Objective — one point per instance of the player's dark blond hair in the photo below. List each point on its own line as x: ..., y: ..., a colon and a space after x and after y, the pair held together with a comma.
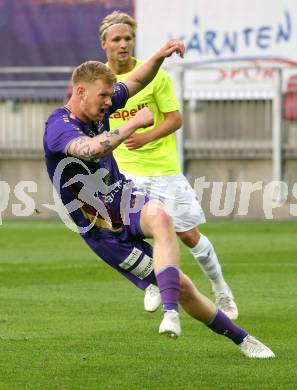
x: 116, y: 17
x: 91, y: 71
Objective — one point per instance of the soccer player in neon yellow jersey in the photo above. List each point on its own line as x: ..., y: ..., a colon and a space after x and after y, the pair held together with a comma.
x: 149, y: 156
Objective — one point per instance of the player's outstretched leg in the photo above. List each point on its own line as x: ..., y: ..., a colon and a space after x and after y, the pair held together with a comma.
x: 202, y: 309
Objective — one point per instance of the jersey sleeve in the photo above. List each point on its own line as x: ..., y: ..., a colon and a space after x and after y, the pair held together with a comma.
x: 119, y: 98
x: 164, y: 93
x: 59, y: 135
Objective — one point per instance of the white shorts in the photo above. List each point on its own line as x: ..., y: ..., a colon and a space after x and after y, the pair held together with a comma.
x: 177, y: 194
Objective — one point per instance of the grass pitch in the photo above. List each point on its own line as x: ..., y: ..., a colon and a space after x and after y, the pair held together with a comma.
x: 68, y: 321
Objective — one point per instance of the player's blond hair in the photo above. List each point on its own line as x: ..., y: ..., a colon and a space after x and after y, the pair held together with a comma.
x: 116, y: 17
x: 91, y: 71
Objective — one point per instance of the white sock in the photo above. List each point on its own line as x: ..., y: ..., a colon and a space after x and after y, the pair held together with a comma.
x: 206, y: 257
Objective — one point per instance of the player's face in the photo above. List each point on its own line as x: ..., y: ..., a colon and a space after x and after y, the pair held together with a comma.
x: 119, y: 44
x: 96, y: 99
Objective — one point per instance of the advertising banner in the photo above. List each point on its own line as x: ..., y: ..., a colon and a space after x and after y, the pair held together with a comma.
x: 227, y: 35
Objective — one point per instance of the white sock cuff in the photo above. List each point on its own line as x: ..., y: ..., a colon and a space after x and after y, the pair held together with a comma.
x: 206, y: 257
x: 203, y: 245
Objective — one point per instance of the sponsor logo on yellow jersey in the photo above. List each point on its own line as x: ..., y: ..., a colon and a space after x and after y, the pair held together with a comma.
x: 127, y: 114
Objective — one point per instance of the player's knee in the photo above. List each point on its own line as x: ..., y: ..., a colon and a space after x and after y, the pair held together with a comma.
x: 161, y: 217
x: 165, y: 219
x: 190, y: 237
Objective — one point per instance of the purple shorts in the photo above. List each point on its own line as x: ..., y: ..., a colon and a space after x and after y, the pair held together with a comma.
x: 126, y: 251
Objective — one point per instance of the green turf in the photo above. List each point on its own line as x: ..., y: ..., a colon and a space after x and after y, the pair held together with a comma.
x: 68, y: 321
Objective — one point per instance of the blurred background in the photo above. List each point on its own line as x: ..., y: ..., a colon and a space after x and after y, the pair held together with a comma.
x: 237, y: 86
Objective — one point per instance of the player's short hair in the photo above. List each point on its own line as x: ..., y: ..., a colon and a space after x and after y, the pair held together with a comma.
x: 116, y: 17
x: 91, y: 71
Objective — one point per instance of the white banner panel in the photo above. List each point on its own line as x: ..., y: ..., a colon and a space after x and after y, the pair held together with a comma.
x: 218, y: 31
x: 237, y: 38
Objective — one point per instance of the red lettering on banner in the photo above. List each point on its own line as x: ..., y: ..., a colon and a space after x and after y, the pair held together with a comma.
x: 252, y: 73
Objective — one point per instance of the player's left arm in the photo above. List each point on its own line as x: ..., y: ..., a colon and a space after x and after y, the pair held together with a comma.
x: 172, y: 122
x: 146, y: 72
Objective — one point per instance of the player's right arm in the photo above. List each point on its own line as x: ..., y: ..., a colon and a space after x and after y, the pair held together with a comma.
x: 145, y: 73
x: 89, y: 149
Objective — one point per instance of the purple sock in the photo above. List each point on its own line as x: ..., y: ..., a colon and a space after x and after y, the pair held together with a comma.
x: 221, y: 324
x: 168, y: 283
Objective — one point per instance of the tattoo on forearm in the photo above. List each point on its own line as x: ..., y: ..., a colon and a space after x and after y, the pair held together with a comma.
x: 111, y: 133
x: 106, y: 146
x: 81, y: 147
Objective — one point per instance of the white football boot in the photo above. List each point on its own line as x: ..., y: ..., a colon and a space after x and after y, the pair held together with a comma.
x: 170, y: 325
x: 226, y: 303
x: 253, y: 348
x: 152, y: 298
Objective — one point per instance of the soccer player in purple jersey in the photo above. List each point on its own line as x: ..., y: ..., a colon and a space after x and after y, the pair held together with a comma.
x: 112, y: 216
